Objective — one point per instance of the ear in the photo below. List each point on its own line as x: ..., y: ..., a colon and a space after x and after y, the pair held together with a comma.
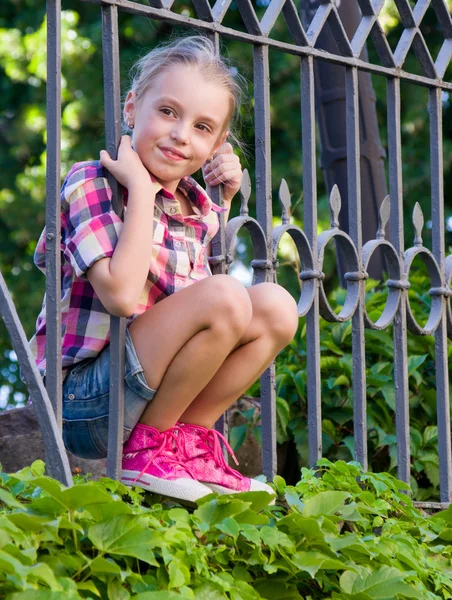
x: 221, y: 140
x: 130, y: 106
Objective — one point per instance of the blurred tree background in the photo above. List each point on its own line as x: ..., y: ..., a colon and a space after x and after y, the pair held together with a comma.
x: 23, y: 133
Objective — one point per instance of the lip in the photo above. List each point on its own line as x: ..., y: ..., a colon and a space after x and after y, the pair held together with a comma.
x: 172, y: 153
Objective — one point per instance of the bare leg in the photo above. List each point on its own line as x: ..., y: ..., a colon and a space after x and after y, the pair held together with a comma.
x: 272, y: 327
x: 183, y: 340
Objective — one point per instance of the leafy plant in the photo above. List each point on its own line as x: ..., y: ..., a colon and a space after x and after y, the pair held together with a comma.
x: 338, y: 533
x: 337, y: 394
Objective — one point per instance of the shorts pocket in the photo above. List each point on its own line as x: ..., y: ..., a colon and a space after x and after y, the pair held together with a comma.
x: 87, y: 438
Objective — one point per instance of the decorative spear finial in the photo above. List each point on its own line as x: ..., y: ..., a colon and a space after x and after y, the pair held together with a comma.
x: 383, y: 218
x: 284, y: 198
x: 335, y: 206
x: 418, y: 222
x: 245, y: 193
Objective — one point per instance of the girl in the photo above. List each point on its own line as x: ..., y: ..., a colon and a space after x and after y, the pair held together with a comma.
x: 190, y: 354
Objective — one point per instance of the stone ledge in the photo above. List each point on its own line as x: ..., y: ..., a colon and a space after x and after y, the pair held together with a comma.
x: 21, y: 443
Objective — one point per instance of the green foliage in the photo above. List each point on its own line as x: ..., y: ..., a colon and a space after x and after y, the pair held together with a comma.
x: 338, y: 533
x: 337, y: 394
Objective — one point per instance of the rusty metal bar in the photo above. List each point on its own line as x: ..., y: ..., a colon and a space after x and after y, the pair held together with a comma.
x: 438, y: 247
x: 310, y: 226
x: 264, y: 217
x: 112, y: 101
x: 354, y: 216
x: 53, y: 211
x: 397, y: 240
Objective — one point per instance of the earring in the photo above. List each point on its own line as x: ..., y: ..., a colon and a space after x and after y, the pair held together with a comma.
x: 130, y: 125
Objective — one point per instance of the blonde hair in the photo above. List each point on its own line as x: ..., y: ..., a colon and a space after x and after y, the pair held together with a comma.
x: 192, y: 51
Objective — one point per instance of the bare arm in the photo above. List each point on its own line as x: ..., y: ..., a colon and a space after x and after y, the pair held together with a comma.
x: 119, y: 280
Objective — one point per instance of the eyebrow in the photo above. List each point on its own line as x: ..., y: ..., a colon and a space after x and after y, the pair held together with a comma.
x: 171, y: 100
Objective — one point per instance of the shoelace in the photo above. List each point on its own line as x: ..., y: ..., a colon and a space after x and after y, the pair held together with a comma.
x: 212, y: 441
x: 171, y: 438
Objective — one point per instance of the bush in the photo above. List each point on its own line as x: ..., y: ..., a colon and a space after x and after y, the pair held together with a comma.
x: 339, y: 533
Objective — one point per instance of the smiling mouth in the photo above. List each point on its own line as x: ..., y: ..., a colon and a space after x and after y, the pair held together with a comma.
x: 172, y: 153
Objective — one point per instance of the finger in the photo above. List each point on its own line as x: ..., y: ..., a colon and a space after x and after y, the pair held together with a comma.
x: 225, y: 160
x: 232, y: 176
x: 225, y: 148
x: 223, y: 167
x: 105, y: 158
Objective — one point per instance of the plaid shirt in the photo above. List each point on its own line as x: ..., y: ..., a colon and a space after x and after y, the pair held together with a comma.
x: 89, y: 232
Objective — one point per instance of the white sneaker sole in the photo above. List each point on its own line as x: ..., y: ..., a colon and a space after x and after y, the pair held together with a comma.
x: 181, y: 489
x: 256, y: 486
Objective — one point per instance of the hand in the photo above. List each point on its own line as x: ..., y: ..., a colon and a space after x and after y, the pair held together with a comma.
x: 128, y: 168
x: 224, y: 168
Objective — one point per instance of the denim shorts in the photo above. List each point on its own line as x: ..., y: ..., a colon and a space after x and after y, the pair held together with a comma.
x: 86, y: 401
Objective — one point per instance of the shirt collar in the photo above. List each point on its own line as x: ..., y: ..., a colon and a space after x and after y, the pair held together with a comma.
x: 193, y: 191
x: 198, y: 196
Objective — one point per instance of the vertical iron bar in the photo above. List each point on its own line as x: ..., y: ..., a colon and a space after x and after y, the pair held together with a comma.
x: 53, y: 210
x: 397, y: 239
x: 355, y: 228
x: 219, y: 249
x: 310, y: 227
x: 438, y: 247
x: 264, y: 216
x: 112, y: 100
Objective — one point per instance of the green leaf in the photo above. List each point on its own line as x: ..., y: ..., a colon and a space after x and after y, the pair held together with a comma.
x: 282, y: 419
x: 127, y: 535
x: 103, y: 565
x: 275, y: 539
x: 179, y: 575
x: 414, y: 362
x: 312, y: 562
x: 216, y: 510
x: 237, y: 436
x: 229, y: 527
x: 384, y: 582
x: 325, y: 503
x: 8, y: 499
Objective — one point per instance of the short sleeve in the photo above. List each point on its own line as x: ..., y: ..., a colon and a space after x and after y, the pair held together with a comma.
x: 90, y: 227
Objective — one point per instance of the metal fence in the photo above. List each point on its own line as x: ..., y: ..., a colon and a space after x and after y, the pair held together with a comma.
x: 313, y: 302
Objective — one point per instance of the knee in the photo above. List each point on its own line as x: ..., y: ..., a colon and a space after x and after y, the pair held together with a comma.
x: 277, y: 311
x: 229, y: 306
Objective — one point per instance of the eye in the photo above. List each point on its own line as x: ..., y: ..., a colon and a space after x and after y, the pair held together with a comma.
x: 203, y: 127
x: 167, y: 111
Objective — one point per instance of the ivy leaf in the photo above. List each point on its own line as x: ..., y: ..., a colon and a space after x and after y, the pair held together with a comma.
x: 385, y: 582
x: 8, y: 499
x: 229, y: 527
x: 216, y: 510
x: 127, y: 535
x: 325, y: 503
x: 237, y: 436
x: 312, y: 562
x: 101, y: 565
x: 179, y: 575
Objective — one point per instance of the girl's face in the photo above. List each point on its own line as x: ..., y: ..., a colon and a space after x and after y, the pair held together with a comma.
x: 178, y: 124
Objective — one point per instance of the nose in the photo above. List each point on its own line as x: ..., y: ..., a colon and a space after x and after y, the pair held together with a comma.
x: 180, y: 133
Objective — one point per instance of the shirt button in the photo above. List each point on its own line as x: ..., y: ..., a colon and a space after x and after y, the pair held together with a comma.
x: 71, y: 397
x: 173, y: 210
x: 177, y: 244
x: 179, y: 282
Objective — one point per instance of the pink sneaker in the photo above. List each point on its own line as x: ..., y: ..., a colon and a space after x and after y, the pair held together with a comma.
x: 152, y: 460
x: 206, y: 462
